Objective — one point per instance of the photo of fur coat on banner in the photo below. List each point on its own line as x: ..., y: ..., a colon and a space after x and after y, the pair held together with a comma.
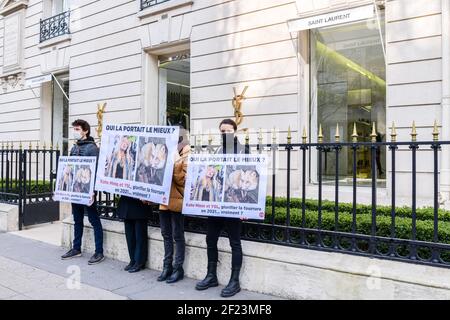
x: 66, y: 181
x: 82, y: 180
x: 152, y: 159
x: 121, y: 161
x: 208, y: 185
x: 242, y: 184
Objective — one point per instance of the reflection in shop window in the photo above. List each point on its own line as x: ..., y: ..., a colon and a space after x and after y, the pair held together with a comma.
x: 348, y: 86
x: 174, y: 75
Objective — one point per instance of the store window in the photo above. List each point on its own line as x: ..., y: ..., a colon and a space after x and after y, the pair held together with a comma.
x: 348, y: 86
x: 174, y: 90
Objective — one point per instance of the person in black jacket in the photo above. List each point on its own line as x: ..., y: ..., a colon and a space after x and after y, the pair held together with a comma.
x: 230, y: 144
x: 135, y: 214
x: 85, y: 147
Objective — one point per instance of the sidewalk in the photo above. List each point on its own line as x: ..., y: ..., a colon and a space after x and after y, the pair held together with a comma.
x: 31, y: 269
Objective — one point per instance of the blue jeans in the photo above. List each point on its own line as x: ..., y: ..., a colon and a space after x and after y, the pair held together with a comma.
x: 78, y: 212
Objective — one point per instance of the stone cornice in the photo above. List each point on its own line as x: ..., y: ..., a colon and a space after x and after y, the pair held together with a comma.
x: 7, y: 7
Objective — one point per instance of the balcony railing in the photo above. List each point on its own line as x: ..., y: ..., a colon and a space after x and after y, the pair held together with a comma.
x: 150, y: 3
x: 55, y: 26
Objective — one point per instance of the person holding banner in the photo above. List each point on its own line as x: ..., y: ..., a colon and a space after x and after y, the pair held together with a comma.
x: 85, y: 146
x: 171, y: 219
x: 233, y: 226
x: 135, y: 214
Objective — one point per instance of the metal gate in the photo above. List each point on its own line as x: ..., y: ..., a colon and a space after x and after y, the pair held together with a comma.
x: 27, y: 180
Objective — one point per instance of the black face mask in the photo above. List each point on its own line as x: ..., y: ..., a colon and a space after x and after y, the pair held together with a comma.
x: 228, y: 139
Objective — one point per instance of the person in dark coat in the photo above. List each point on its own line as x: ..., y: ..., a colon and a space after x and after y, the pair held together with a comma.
x: 135, y: 214
x: 215, y: 225
x: 85, y: 147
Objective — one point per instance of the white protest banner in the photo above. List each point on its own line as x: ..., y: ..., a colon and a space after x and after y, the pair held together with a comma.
x: 75, y: 180
x: 228, y: 185
x: 137, y: 161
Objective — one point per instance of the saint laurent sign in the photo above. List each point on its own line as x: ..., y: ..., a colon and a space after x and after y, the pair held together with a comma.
x: 332, y: 18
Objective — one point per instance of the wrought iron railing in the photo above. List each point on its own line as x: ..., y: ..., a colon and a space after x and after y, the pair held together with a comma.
x: 150, y: 3
x: 55, y: 26
x: 408, y: 234
x: 27, y: 177
x: 293, y: 217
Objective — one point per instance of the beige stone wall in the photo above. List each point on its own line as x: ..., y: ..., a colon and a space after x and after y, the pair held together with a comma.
x: 288, y: 272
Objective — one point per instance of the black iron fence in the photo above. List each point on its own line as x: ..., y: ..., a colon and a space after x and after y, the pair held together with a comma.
x: 27, y: 179
x: 407, y: 233
x: 298, y: 213
x: 150, y: 3
x: 55, y: 26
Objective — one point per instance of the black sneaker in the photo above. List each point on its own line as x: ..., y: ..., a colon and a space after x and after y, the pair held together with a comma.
x: 96, y: 258
x: 72, y: 253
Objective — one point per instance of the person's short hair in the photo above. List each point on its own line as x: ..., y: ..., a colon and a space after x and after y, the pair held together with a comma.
x: 230, y: 122
x: 85, y: 126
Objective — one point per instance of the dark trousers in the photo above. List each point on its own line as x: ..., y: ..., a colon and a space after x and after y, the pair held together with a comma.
x: 78, y: 212
x: 233, y: 228
x: 172, y: 228
x: 136, y: 233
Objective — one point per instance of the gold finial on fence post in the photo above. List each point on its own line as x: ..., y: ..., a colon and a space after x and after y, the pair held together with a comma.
x: 30, y: 146
x: 37, y: 145
x: 20, y: 145
x: 374, y: 133
x: 247, y: 138
x: 274, y: 137
x: 289, y: 136
x: 320, y: 136
x: 57, y: 146
x: 51, y: 145
x: 393, y: 133
x: 355, y: 134
x: 260, y: 137
x: 435, y: 132
x: 414, y: 132
x: 3, y: 145
x: 304, y: 136
x: 210, y: 139
x: 337, y: 136
x: 44, y: 146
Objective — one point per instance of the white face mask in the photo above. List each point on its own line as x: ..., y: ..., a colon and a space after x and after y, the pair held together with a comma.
x: 77, y: 135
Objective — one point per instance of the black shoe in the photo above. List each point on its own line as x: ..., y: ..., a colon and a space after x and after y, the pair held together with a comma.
x: 233, y: 286
x: 136, y: 268
x: 96, y: 258
x: 210, y: 279
x: 166, y: 273
x: 129, y: 266
x: 72, y: 253
x: 176, y: 276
